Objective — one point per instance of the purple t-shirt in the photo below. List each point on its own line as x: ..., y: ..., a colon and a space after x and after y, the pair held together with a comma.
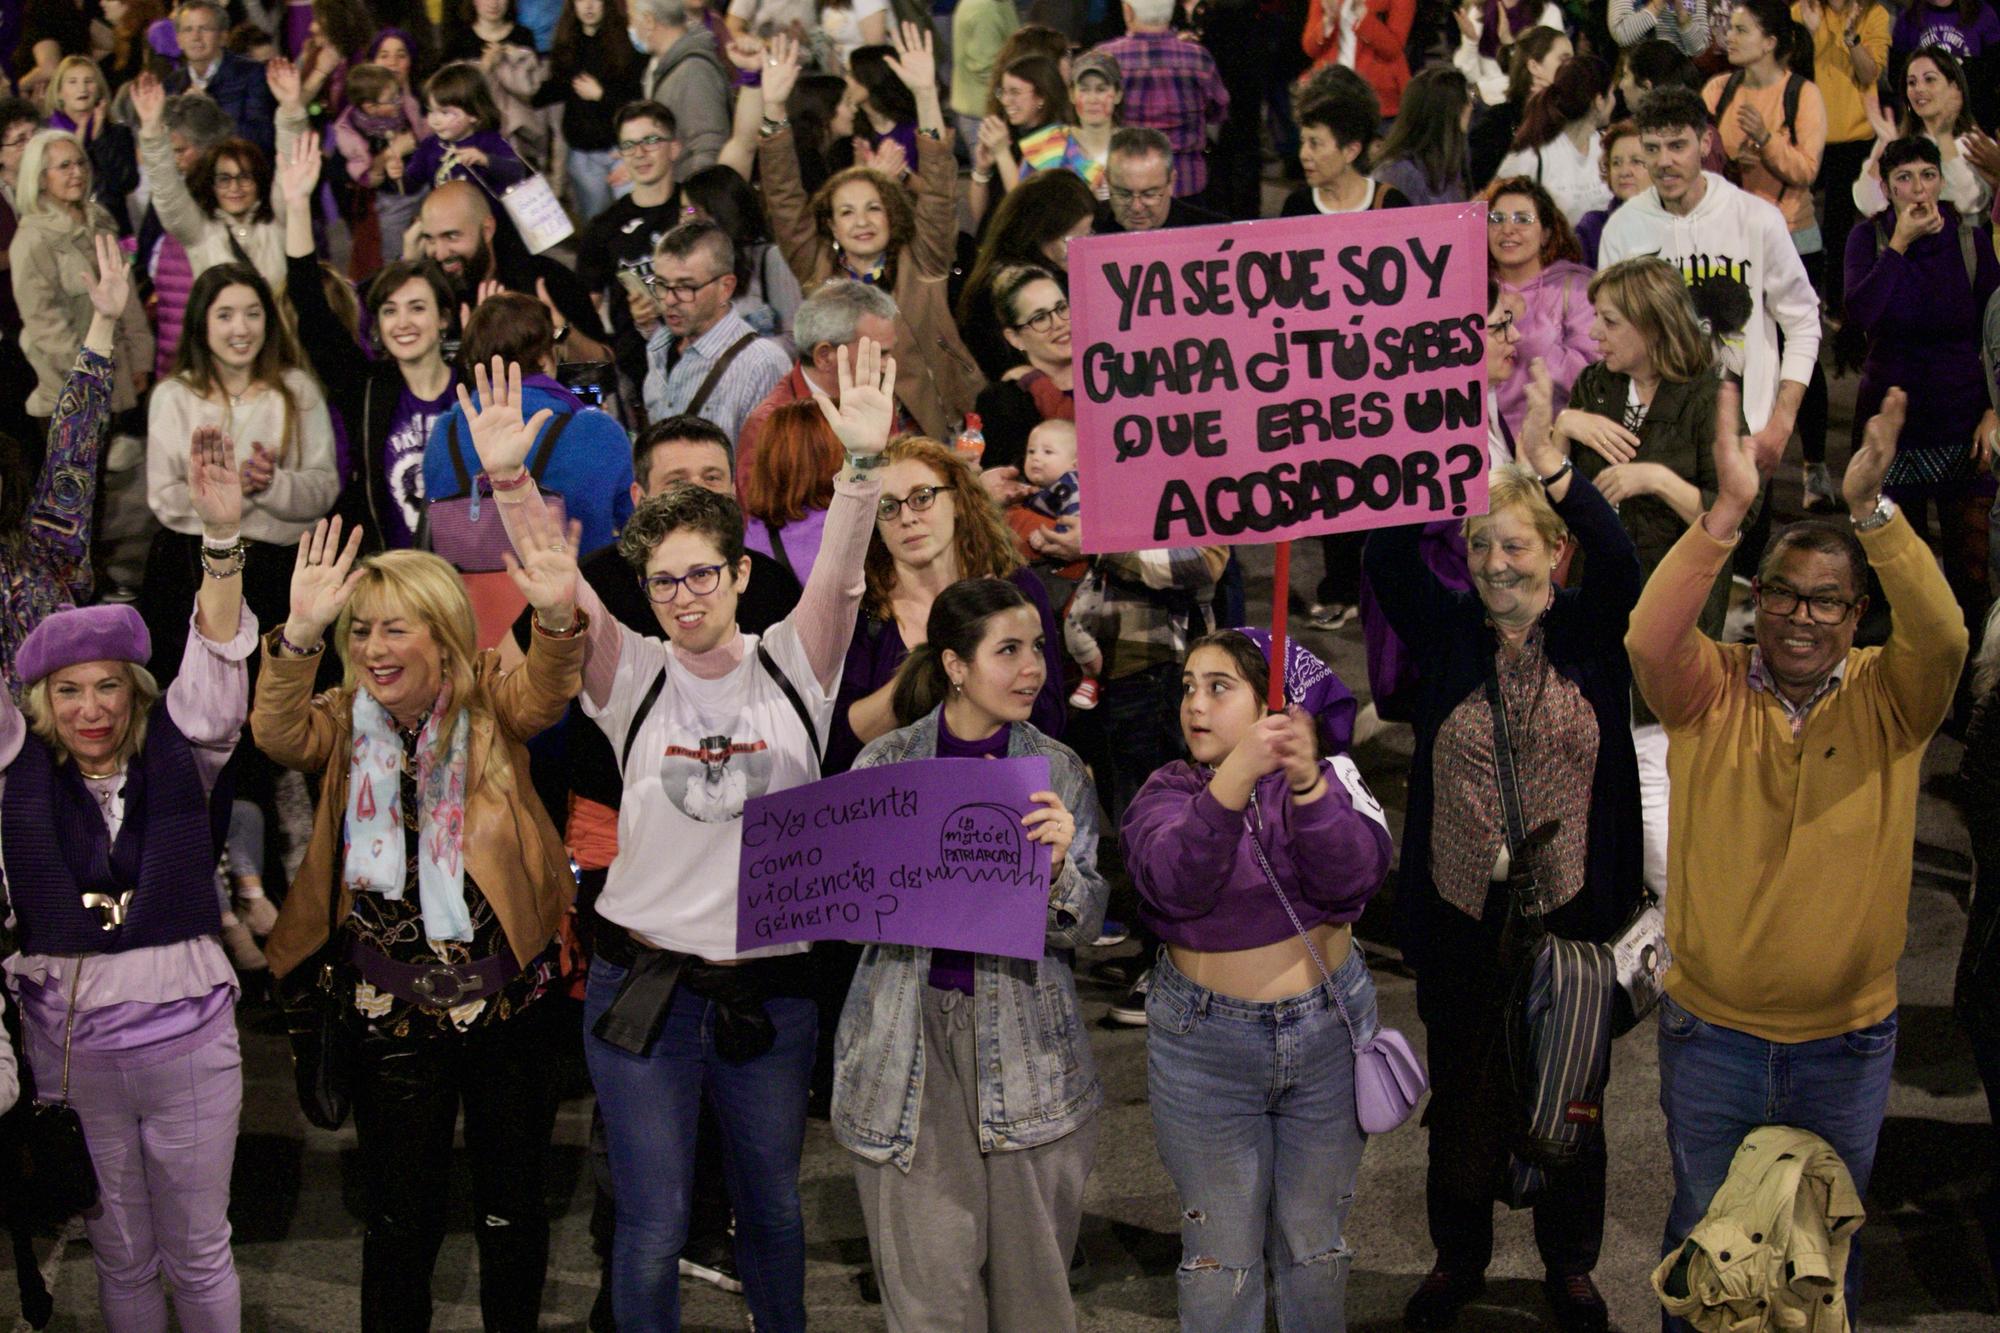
x: 403, y: 462
x: 951, y: 969
x: 1925, y: 24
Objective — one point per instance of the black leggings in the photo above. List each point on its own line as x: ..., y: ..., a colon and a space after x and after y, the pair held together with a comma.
x: 1813, y: 407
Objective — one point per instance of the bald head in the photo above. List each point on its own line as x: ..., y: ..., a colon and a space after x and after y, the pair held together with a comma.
x: 458, y: 229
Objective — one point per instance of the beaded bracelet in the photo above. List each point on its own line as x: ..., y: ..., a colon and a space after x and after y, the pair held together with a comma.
x: 293, y: 650
x: 515, y: 483
x: 232, y: 558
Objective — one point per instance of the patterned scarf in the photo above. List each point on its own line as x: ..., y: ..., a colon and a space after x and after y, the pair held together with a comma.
x: 376, y: 856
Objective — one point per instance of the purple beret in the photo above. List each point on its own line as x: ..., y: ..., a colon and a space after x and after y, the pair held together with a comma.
x: 111, y: 633
x: 163, y: 39
x: 1311, y: 684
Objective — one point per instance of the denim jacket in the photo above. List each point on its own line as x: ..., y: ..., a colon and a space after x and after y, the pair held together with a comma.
x: 1037, y: 1081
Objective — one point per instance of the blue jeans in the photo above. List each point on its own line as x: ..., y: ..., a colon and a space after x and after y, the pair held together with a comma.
x: 1253, y: 1114
x: 1718, y: 1084
x: 652, y: 1105
x: 590, y: 187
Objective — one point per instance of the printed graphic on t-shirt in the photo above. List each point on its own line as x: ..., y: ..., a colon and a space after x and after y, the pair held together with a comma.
x: 404, y: 453
x: 1720, y: 289
x: 1947, y: 35
x: 710, y: 777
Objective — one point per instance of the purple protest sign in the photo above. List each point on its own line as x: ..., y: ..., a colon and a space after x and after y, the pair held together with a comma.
x: 927, y: 852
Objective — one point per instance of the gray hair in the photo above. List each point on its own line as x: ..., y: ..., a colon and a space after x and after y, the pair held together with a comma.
x: 215, y: 7
x: 28, y: 192
x: 832, y: 314
x: 1139, y: 141
x: 670, y: 13
x: 1152, y: 13
x: 689, y: 238
x: 197, y: 118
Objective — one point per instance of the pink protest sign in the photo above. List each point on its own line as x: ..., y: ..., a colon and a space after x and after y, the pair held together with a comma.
x: 1268, y: 380
x: 926, y: 852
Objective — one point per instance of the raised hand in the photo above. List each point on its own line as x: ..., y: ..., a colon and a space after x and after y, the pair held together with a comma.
x: 1862, y: 485
x: 746, y: 53
x: 545, y: 571
x: 915, y: 62
x: 323, y: 578
x: 1810, y: 14
x: 781, y: 70
x: 113, y: 287
x: 1538, y: 446
x: 281, y: 76
x: 1736, y: 474
x: 1052, y: 825
x: 149, y: 100
x: 499, y: 435
x: 298, y: 171
x: 215, y: 487
x: 867, y: 399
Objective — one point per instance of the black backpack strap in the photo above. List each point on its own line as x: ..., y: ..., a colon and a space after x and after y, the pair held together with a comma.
x: 1503, y: 762
x: 458, y: 467
x: 1795, y: 86
x: 547, y: 451
x: 1729, y: 89
x: 770, y: 664
x: 639, y: 718
x: 715, y: 372
x: 778, y: 548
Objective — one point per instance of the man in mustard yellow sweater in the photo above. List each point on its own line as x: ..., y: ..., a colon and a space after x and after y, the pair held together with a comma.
x: 1794, y: 766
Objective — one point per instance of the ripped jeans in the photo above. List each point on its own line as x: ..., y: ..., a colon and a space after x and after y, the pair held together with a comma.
x: 1253, y: 1113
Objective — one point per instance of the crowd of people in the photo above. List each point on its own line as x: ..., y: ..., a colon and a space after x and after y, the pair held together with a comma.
x: 656, y: 407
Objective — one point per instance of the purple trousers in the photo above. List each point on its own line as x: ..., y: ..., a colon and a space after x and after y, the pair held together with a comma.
x: 163, y: 1138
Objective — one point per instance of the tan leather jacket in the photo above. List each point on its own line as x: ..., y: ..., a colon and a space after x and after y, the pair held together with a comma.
x: 512, y: 850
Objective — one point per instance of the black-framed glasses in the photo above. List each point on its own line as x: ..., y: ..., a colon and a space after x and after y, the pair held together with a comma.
x: 1503, y: 330
x: 678, y: 291
x: 1044, y: 320
x: 224, y: 179
x: 1775, y: 599
x: 634, y: 147
x: 1149, y: 197
x: 699, y: 581
x: 919, y: 500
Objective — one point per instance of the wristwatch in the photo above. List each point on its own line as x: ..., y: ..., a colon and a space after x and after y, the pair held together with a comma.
x: 1558, y: 474
x: 1885, y: 509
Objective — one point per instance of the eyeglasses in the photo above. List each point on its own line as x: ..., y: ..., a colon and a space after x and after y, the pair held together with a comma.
x: 699, y: 581
x: 1778, y: 600
x: 224, y: 179
x: 1152, y: 196
x: 679, y: 291
x: 1518, y: 219
x: 920, y: 500
x: 634, y: 147
x: 1044, y: 320
x: 1504, y: 331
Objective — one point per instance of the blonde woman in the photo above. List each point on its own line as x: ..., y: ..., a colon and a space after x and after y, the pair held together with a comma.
x: 53, y: 260
x: 127, y: 999
x: 79, y: 100
x: 450, y: 880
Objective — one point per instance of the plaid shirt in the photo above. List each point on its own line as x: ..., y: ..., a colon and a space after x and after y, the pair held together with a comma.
x: 1171, y: 85
x: 1148, y: 596
x: 1758, y: 677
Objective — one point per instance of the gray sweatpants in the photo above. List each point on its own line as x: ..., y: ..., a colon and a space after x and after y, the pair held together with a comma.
x: 970, y: 1241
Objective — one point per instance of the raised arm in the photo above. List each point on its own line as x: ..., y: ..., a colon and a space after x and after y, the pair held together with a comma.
x: 825, y: 615
x: 785, y: 200
x: 287, y: 722
x: 179, y: 213
x: 336, y: 358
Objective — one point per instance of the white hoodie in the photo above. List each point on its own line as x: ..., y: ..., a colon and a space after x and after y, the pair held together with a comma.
x: 1745, y: 276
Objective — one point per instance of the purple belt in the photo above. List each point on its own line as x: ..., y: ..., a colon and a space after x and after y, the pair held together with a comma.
x: 434, y: 985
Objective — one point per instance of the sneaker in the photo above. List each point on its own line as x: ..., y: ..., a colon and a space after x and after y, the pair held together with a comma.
x: 258, y: 913
x: 1331, y: 615
x: 1130, y: 1012
x: 1578, y: 1305
x: 1085, y: 694
x: 1438, y: 1301
x: 1112, y: 933
x: 242, y: 946
x: 713, y: 1262
x: 1822, y: 497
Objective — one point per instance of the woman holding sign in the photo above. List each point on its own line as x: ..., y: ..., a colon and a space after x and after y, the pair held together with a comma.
x: 1251, y: 861
x: 676, y: 1013
x: 963, y: 1081
x: 1557, y: 658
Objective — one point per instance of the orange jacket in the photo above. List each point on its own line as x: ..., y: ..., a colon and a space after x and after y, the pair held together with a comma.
x: 1378, y: 46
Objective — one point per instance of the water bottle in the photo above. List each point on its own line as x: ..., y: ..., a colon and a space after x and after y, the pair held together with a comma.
x: 971, y: 443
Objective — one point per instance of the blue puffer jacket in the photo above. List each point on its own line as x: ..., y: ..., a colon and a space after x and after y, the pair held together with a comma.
x: 1037, y: 1081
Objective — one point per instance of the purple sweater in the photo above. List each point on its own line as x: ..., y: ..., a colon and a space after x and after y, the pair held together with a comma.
x: 1199, y: 882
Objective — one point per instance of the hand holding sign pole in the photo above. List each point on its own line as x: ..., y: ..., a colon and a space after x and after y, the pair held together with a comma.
x: 1289, y: 378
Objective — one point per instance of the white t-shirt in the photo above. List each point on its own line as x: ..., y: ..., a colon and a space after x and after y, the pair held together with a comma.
x: 843, y: 26
x: 1572, y: 178
x: 703, y: 749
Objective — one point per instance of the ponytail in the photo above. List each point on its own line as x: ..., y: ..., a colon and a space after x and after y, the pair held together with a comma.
x: 920, y: 684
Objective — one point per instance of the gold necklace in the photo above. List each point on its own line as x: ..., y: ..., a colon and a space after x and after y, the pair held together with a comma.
x: 98, y: 777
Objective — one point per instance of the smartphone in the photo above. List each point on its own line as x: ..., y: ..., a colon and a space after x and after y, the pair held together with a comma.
x: 633, y: 282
